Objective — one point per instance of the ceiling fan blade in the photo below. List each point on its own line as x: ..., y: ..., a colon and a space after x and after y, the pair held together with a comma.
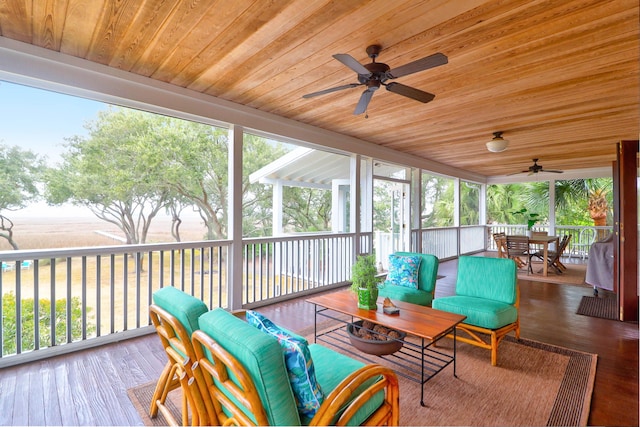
x: 363, y: 103
x: 552, y: 171
x: 410, y: 92
x: 430, y: 61
x: 333, y: 89
x: 517, y: 173
x: 350, y: 62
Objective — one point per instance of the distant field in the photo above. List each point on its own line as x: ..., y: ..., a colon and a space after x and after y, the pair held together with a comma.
x: 47, y: 233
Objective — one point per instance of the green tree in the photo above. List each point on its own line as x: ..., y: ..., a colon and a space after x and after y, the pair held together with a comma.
x: 306, y: 209
x: 115, y: 172
x: 437, y: 200
x: 19, y: 176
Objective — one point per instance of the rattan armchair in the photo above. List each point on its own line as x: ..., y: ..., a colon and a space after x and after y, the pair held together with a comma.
x: 174, y: 325
x: 256, y: 391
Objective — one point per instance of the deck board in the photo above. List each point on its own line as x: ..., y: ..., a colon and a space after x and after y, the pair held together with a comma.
x: 89, y: 386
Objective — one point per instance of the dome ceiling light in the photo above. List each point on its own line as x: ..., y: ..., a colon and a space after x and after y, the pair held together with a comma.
x: 498, y: 144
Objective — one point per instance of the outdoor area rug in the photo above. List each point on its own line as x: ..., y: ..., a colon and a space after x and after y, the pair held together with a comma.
x: 533, y: 384
x: 140, y: 397
x: 573, y: 275
x: 605, y: 308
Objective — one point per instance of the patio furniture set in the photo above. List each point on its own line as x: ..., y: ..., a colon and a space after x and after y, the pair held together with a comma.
x: 240, y: 368
x: 522, y: 249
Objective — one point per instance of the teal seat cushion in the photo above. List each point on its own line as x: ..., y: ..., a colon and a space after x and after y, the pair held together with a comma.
x: 489, y: 278
x: 331, y: 369
x: 299, y: 363
x: 480, y: 312
x: 184, y: 307
x: 400, y: 293
x: 262, y: 357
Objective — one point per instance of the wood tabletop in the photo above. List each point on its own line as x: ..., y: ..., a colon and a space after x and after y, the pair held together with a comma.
x: 413, y: 319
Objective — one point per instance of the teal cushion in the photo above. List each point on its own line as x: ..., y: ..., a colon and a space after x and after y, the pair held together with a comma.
x: 262, y: 357
x: 401, y: 293
x: 403, y: 270
x: 299, y: 362
x: 184, y: 307
x: 491, y: 278
x: 480, y: 312
x: 332, y: 368
x: 428, y: 272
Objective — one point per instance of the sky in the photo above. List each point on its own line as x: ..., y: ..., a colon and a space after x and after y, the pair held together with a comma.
x: 39, y: 120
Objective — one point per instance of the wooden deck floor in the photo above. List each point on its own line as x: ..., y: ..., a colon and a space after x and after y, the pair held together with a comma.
x: 89, y: 387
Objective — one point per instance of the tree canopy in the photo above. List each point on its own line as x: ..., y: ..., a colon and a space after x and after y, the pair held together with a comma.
x: 19, y: 176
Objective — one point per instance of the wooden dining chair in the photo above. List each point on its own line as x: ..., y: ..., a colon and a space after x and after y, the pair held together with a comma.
x: 500, y: 239
x: 554, y: 256
x: 517, y: 249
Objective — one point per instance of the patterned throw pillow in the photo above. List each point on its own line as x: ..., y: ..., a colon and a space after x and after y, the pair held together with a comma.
x: 299, y: 364
x: 403, y: 270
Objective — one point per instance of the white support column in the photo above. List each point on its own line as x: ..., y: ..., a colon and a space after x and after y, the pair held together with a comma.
x: 552, y: 207
x: 482, y: 205
x: 234, y: 260
x: 456, y: 202
x: 339, y: 205
x: 356, y: 198
x: 416, y: 208
x: 277, y: 208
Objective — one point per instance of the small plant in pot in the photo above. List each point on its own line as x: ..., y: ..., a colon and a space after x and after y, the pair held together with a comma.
x: 531, y: 219
x: 365, y: 281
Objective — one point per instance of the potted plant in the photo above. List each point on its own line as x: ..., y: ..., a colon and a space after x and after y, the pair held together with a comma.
x: 365, y: 280
x: 531, y: 219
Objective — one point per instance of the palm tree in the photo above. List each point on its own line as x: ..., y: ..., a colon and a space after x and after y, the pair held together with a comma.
x: 597, y: 193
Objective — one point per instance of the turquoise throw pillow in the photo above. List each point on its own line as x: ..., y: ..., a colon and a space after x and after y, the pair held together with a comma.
x: 297, y: 358
x: 403, y: 270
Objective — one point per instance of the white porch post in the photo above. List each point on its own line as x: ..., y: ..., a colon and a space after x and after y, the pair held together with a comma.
x: 277, y: 208
x: 552, y: 207
x: 339, y: 205
x: 234, y: 259
x: 416, y: 209
x: 356, y: 200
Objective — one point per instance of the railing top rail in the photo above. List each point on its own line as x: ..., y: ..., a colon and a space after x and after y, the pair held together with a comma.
x: 23, y: 254
x: 289, y: 238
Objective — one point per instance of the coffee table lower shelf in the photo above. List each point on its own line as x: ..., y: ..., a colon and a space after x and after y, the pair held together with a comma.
x: 418, y: 360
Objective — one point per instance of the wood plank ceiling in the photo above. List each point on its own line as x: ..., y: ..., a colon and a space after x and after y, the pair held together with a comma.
x: 558, y: 77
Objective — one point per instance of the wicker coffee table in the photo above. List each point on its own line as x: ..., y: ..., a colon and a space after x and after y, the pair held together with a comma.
x: 418, y: 359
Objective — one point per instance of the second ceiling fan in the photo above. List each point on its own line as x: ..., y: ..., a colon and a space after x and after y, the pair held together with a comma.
x: 376, y: 74
x: 536, y: 168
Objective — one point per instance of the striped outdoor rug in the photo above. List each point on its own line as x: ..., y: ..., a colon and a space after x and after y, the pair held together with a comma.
x: 605, y: 308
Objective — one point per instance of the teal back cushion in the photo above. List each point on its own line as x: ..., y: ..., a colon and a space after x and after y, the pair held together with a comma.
x: 489, y: 278
x: 262, y: 357
x: 184, y: 307
x: 428, y: 271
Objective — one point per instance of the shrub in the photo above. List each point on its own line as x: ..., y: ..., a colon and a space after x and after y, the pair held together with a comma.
x: 9, y: 332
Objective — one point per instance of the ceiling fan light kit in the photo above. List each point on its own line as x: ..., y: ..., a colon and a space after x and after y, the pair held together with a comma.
x: 498, y: 144
x: 376, y: 74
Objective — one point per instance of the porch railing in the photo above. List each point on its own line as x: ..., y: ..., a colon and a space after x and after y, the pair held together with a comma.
x: 278, y: 268
x: 57, y: 301
x: 58, y: 298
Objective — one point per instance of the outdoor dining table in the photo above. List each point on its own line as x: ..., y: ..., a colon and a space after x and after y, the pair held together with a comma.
x: 545, y: 242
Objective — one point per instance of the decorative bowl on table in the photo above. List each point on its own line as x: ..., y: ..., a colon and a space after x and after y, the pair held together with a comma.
x: 374, y: 339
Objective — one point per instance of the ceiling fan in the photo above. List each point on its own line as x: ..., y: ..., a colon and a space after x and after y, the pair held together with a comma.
x: 535, y: 168
x: 376, y: 74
